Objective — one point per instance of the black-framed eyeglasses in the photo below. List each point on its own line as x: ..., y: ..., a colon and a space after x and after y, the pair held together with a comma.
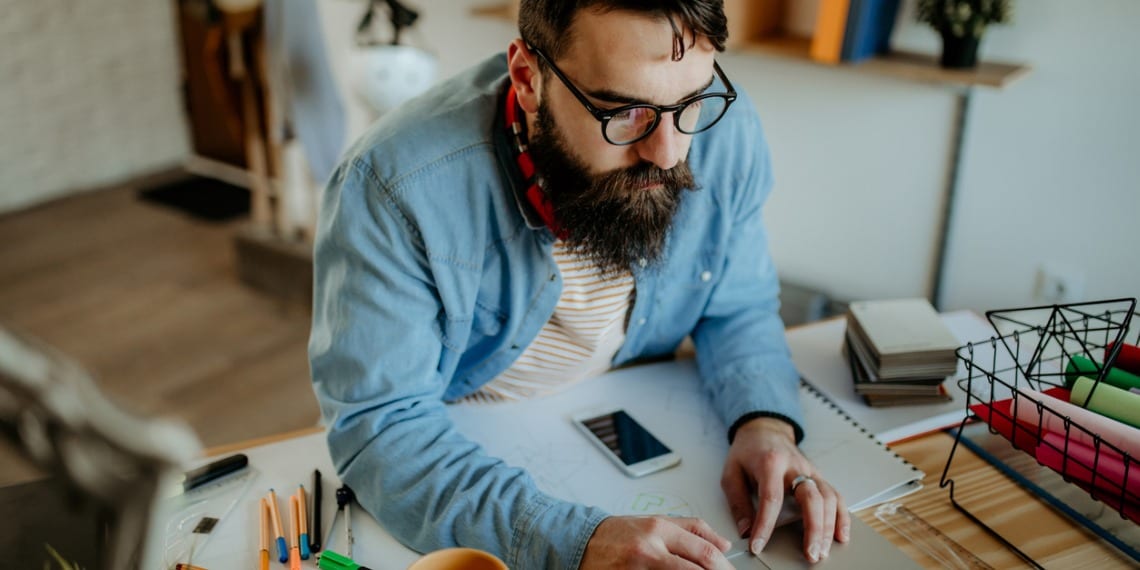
x: 630, y: 123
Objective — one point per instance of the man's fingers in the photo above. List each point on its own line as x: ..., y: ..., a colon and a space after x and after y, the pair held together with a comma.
x: 770, y: 498
x: 734, y: 483
x: 842, y: 520
x: 830, y: 500
x: 702, y: 529
x: 691, y: 544
x: 810, y: 498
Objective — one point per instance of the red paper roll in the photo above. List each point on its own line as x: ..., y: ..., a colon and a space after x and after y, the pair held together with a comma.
x: 1128, y: 359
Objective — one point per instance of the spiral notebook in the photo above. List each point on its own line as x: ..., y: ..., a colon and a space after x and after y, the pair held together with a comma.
x: 666, y: 398
x: 869, y: 472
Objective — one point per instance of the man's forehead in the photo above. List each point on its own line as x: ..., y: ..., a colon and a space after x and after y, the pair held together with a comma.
x: 632, y: 52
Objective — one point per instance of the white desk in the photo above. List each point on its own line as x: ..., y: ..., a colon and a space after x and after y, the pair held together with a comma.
x: 288, y: 460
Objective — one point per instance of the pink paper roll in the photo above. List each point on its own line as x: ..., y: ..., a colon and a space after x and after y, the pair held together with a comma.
x: 1123, y: 436
x: 1110, y: 476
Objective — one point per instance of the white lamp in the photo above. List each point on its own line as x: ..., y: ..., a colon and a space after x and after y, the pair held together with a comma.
x: 385, y: 74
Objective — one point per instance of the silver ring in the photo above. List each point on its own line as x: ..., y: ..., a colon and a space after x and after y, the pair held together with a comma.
x: 801, y: 479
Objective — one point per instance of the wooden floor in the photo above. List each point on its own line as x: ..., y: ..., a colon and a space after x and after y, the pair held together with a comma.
x: 148, y: 300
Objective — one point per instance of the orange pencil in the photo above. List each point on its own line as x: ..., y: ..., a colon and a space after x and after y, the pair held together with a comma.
x: 294, y: 520
x: 263, y: 518
x: 303, y: 529
x: 275, y: 516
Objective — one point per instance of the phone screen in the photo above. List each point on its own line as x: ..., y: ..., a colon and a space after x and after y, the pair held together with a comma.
x: 625, y: 437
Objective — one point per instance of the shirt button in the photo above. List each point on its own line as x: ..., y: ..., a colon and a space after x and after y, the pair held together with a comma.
x: 706, y: 275
x: 641, y: 321
x: 643, y: 262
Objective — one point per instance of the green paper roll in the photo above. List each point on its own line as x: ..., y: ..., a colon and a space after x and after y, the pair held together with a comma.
x: 1109, y: 401
x: 1081, y: 366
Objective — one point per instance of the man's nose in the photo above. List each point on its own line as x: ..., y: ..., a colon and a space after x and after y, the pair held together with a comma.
x: 663, y: 146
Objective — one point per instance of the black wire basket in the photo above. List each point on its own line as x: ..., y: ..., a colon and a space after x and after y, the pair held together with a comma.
x: 1030, y: 355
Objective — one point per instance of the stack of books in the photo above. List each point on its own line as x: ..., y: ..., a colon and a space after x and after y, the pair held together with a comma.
x: 900, y: 352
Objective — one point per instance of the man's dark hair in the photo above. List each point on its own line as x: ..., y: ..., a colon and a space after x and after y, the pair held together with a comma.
x: 545, y: 24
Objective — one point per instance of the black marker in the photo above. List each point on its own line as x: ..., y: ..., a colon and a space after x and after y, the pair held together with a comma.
x: 220, y: 468
x: 315, y: 520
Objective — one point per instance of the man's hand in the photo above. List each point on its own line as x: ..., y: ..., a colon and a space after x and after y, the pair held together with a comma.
x: 764, y: 459
x: 655, y: 542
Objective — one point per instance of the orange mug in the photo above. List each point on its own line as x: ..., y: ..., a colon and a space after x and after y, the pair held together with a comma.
x: 458, y: 559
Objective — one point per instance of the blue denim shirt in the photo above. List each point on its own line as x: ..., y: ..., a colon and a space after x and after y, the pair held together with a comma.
x: 433, y: 274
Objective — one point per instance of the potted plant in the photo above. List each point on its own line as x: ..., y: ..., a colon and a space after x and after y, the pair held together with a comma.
x: 961, y: 24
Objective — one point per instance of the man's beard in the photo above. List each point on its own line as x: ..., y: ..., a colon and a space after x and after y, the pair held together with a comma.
x: 615, y: 218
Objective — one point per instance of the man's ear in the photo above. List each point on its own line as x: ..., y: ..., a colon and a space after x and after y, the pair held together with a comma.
x: 522, y: 65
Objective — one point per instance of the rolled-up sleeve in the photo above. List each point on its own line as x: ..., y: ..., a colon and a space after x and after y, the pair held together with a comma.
x: 742, y: 353
x: 375, y: 352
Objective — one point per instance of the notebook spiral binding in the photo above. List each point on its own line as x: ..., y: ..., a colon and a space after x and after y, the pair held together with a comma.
x: 842, y: 413
x: 1038, y: 344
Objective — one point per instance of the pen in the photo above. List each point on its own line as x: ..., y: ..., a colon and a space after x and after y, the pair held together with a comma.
x: 294, y: 532
x: 344, y: 498
x: 263, y: 531
x: 315, y: 515
x: 197, y: 477
x: 303, y: 522
x: 275, y: 516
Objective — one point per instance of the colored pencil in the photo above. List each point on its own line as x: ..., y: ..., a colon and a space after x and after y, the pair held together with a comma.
x: 294, y: 534
x: 303, y: 516
x: 263, y: 531
x: 275, y: 516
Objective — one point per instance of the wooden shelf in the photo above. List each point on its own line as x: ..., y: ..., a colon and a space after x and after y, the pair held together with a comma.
x: 899, y: 64
x: 496, y: 11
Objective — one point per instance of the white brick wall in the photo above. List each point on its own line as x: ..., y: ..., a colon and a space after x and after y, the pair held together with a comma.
x: 89, y: 95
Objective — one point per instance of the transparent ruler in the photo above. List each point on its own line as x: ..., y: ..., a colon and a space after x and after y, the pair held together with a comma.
x: 928, y: 539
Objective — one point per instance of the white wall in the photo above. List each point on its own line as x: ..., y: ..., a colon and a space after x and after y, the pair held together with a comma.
x: 1051, y: 165
x: 1049, y: 174
x: 89, y: 95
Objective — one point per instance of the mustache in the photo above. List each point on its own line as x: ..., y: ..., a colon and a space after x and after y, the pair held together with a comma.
x: 639, y: 185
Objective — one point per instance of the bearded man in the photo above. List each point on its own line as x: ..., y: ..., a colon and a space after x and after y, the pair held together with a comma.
x: 586, y: 201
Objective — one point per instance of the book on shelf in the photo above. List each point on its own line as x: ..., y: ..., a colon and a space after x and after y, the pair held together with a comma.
x: 830, y: 25
x: 869, y: 27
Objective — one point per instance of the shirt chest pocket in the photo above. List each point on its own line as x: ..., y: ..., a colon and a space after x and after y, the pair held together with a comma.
x: 699, y: 272
x: 488, y: 321
x: 465, y: 334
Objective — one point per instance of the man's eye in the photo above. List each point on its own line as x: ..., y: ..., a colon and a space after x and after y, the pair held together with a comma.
x: 636, y: 114
x: 623, y: 116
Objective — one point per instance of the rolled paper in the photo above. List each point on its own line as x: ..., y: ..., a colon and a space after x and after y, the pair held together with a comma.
x: 1127, y: 359
x: 1107, y: 400
x: 1125, y: 437
x: 1082, y: 366
x: 1083, y: 461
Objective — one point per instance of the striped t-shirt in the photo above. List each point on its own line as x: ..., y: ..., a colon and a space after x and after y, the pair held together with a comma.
x: 580, y: 339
